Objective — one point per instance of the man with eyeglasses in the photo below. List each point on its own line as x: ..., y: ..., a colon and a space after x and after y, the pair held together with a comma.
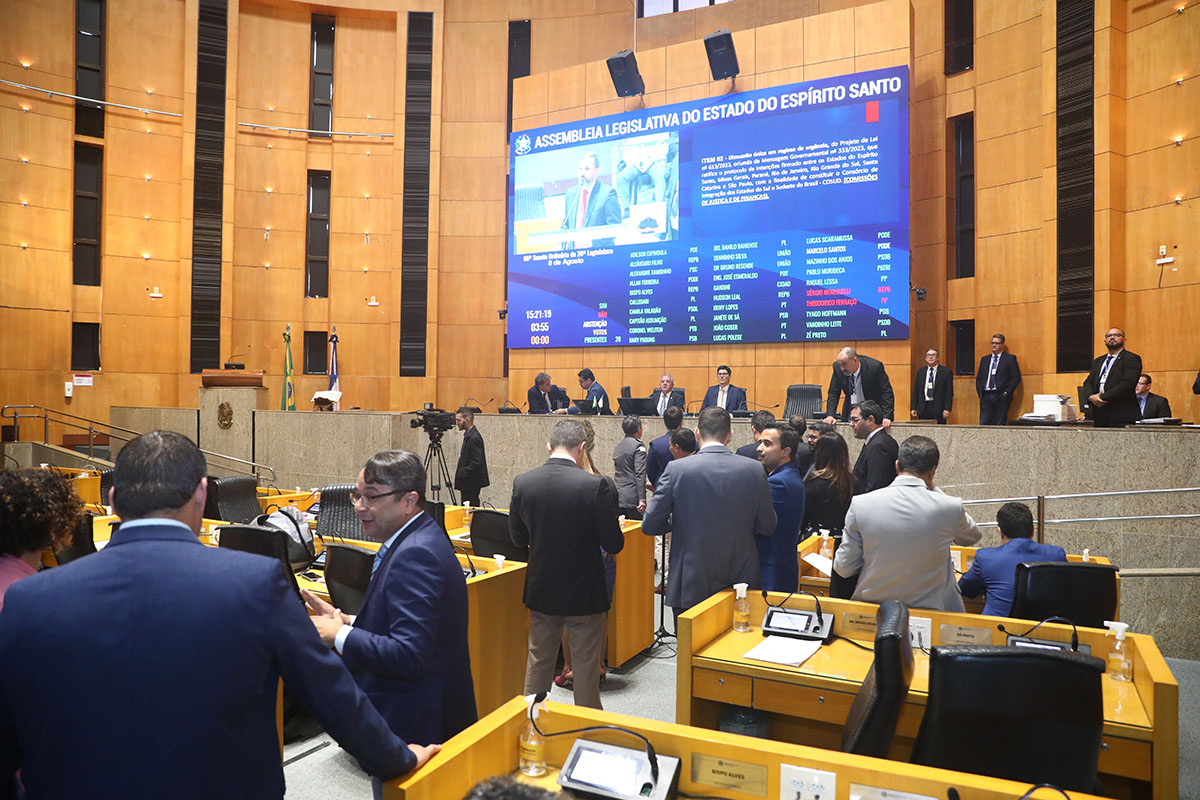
x: 995, y: 381
x: 725, y: 394
x: 876, y: 464
x: 407, y: 646
x: 1111, y: 385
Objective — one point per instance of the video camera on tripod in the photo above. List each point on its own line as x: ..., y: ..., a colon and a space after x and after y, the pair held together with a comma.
x: 436, y: 422
x: 433, y: 420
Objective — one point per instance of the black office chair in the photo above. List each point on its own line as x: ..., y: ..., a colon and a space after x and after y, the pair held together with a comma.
x: 106, y: 476
x: 1027, y: 715
x: 347, y: 573
x: 82, y: 541
x: 232, y: 499
x: 260, y: 540
x: 437, y: 510
x: 803, y: 399
x: 489, y: 536
x: 839, y: 587
x: 337, y: 519
x: 871, y: 723
x: 1084, y: 593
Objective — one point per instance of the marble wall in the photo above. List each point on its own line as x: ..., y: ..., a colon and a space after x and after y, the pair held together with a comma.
x: 142, y: 420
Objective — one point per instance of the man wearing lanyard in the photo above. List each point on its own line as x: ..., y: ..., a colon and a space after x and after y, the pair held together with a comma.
x: 995, y: 381
x: 933, y: 390
x: 1111, y: 385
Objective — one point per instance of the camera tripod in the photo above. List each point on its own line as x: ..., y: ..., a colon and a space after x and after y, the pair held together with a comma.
x: 662, y: 634
x: 434, y: 453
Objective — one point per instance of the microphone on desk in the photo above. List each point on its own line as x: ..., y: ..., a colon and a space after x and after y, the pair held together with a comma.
x: 1074, y: 631
x: 477, y: 409
x: 820, y: 620
x: 231, y: 364
x: 651, y: 756
x: 471, y: 564
x: 760, y: 405
x: 689, y: 405
x: 508, y: 407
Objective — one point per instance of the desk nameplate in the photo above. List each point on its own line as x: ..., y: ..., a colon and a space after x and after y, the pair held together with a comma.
x: 728, y: 774
x: 853, y: 622
x: 963, y: 634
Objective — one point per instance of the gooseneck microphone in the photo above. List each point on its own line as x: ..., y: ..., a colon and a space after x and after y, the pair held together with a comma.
x: 820, y: 620
x: 477, y: 409
x: 760, y: 405
x: 650, y: 754
x: 1063, y: 620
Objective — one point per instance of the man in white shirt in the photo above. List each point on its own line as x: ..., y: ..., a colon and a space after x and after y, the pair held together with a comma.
x: 725, y: 395
x: 933, y: 390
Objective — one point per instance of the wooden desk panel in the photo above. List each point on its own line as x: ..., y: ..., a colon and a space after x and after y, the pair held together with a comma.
x: 809, y: 704
x: 489, y: 747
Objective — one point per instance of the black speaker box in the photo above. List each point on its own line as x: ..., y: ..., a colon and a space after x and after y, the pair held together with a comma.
x: 722, y: 60
x: 625, y: 76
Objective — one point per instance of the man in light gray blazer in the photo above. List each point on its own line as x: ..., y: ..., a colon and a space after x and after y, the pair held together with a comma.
x: 714, y: 504
x: 629, y: 469
x: 897, y: 539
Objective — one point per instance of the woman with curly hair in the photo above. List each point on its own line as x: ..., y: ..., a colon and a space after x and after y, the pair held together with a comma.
x: 38, y: 509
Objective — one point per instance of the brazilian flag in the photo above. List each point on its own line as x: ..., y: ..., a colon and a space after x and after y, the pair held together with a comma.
x: 289, y: 390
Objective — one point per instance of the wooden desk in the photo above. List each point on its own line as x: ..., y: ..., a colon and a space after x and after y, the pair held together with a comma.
x: 489, y: 747
x: 962, y: 557
x: 269, y: 496
x: 631, y: 618
x: 809, y: 704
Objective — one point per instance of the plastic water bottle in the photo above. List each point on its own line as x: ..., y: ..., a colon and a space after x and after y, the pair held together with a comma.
x: 741, y: 608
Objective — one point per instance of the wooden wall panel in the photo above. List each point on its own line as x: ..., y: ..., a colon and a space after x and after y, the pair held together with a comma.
x: 138, y: 33
x: 273, y: 62
x: 364, y: 70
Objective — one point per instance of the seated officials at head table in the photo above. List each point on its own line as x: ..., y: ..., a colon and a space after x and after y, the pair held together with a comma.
x: 994, y: 569
x: 546, y: 398
x: 1150, y: 405
x: 180, y: 651
x: 595, y: 394
x: 897, y: 539
x: 725, y: 395
x: 666, y: 395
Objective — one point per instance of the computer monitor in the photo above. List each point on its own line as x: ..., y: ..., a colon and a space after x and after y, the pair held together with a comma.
x: 586, y: 405
x: 642, y: 406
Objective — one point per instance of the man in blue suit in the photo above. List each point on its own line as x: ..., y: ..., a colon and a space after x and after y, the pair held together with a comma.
x: 777, y: 558
x: 724, y: 394
x: 407, y: 646
x: 150, y: 669
x: 658, y: 453
x: 997, y: 378
x: 995, y: 568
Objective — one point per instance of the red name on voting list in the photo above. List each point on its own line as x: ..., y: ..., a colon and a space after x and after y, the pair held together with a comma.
x: 873, y: 111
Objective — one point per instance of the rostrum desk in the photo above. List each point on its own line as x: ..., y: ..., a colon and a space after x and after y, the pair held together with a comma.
x: 809, y: 704
x: 489, y: 747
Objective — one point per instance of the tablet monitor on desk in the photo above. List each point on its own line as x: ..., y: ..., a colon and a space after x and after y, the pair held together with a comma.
x: 642, y: 406
x: 586, y: 405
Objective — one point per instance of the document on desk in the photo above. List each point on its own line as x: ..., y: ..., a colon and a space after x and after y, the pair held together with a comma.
x: 783, y: 650
x: 820, y: 563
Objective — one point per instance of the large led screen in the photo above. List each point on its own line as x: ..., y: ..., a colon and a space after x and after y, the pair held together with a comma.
x: 778, y: 215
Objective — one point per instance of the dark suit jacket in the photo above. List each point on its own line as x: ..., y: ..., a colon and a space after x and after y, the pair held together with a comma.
x: 714, y: 504
x: 408, y: 649
x: 537, y: 404
x: 1008, y: 374
x: 150, y: 669
x: 472, y: 463
x: 748, y: 451
x: 875, y: 386
x: 1119, y: 390
x: 1196, y: 385
x: 995, y: 568
x: 564, y: 515
x: 629, y: 472
x: 603, y: 208
x: 803, y: 460
x: 876, y: 464
x: 1156, y: 406
x: 676, y: 398
x: 658, y: 455
x: 777, y: 557
x: 735, y: 398
x: 943, y: 391
x: 599, y: 399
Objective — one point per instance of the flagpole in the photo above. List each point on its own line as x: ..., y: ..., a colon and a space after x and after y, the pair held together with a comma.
x: 288, y: 402
x: 334, y: 384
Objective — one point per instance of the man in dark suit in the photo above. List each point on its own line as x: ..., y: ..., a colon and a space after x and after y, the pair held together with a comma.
x: 758, y: 423
x: 659, y: 451
x: 1150, y: 405
x: 994, y: 569
x: 666, y: 395
x: 714, y: 505
x: 933, y: 390
x: 595, y: 393
x: 591, y: 202
x: 150, y: 669
x: 546, y: 398
x: 407, y: 646
x: 629, y: 469
x: 565, y: 515
x: 724, y: 394
x: 995, y: 381
x: 1196, y: 384
x: 777, y: 554
x: 471, y: 474
x: 876, y: 464
x: 858, y: 378
x: 802, y: 455
x: 1111, y: 384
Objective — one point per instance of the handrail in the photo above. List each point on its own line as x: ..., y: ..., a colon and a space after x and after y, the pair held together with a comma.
x: 16, y: 417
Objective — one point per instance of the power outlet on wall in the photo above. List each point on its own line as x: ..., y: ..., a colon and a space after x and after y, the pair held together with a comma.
x: 920, y: 631
x: 803, y: 783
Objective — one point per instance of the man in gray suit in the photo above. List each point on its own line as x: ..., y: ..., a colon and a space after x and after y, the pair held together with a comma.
x: 907, y: 529
x: 714, y: 504
x: 629, y: 469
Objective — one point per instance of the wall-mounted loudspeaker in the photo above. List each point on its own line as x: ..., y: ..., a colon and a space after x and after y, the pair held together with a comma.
x: 625, y: 76
x: 722, y: 60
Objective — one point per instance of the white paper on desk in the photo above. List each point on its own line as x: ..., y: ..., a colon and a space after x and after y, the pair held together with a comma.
x: 821, y: 563
x: 784, y: 650
x: 462, y: 537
